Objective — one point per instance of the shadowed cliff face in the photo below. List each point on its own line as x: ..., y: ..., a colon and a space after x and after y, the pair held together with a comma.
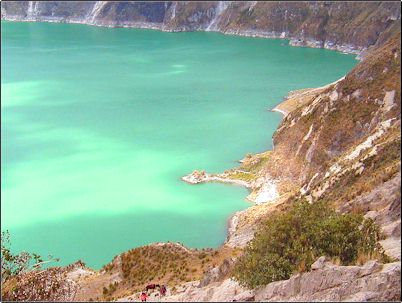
x: 350, y: 26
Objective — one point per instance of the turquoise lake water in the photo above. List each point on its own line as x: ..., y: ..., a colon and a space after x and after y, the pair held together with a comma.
x: 99, y: 124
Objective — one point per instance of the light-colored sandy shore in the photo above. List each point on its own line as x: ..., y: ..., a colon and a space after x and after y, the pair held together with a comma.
x: 298, y: 98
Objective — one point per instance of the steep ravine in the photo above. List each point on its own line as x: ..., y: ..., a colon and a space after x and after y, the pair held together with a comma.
x: 339, y: 143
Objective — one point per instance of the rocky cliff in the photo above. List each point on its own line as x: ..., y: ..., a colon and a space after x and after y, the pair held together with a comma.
x: 346, y: 26
x: 339, y: 143
x: 326, y: 282
x: 343, y: 143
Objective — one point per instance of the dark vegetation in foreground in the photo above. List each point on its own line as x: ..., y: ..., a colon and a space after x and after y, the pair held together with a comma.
x: 13, y: 264
x: 291, y: 241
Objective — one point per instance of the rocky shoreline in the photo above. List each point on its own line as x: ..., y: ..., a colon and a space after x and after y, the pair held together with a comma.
x: 262, y: 189
x: 197, y: 177
x: 299, y: 42
x: 293, y: 41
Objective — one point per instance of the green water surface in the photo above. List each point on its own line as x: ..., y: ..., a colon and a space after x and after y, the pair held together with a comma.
x: 99, y: 124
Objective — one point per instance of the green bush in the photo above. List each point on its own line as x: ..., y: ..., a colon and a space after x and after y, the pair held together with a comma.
x: 293, y: 240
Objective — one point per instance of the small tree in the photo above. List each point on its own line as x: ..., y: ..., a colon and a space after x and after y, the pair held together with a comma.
x: 15, y: 264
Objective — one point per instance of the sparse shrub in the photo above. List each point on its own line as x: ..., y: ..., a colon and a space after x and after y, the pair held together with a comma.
x: 202, y: 255
x: 336, y: 261
x: 108, y: 267
x: 15, y: 264
x: 301, y: 267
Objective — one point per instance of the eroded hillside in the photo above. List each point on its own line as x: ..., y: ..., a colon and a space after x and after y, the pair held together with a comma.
x: 347, y: 26
x: 339, y: 144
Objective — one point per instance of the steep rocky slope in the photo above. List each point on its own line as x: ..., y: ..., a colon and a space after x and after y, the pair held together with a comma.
x: 170, y: 264
x: 347, y: 26
x: 372, y: 281
x: 339, y: 143
x: 346, y: 140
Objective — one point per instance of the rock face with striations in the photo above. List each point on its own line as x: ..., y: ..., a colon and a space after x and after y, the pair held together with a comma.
x: 372, y: 281
x: 343, y: 144
x: 346, y: 26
